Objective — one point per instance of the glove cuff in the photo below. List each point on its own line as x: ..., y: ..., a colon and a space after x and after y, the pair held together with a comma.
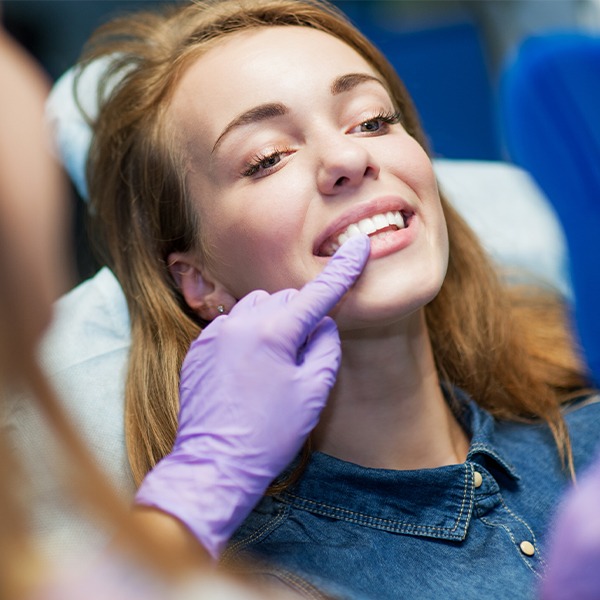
x: 210, y: 500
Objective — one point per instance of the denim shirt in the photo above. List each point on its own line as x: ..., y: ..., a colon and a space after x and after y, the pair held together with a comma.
x: 468, y: 531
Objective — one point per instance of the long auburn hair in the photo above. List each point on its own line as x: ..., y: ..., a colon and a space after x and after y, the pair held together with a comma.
x: 510, y: 350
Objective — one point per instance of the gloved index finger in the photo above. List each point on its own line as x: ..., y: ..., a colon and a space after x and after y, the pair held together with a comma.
x: 319, y: 296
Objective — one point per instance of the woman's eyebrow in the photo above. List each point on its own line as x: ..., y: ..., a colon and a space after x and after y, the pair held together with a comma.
x: 254, y: 115
x: 346, y: 83
x: 341, y: 84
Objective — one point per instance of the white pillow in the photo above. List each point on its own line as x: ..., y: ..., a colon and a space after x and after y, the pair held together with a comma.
x: 84, y: 354
x: 72, y: 101
x: 512, y: 217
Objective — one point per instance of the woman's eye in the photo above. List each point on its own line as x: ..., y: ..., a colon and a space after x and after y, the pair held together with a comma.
x: 263, y: 164
x: 271, y: 161
x: 378, y: 123
x: 372, y: 125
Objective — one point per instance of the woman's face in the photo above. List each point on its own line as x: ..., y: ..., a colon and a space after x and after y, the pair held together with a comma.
x: 293, y: 143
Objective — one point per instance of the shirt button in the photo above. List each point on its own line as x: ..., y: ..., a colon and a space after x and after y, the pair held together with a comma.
x: 477, y: 479
x: 527, y: 548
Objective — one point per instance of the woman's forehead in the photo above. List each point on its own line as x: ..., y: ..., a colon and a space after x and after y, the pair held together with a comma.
x: 274, y: 40
x: 260, y: 65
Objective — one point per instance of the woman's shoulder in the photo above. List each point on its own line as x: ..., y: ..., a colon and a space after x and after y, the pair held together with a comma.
x: 531, y: 447
x: 582, y: 416
x: 583, y: 403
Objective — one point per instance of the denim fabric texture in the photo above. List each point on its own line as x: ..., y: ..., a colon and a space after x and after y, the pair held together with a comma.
x: 455, y: 532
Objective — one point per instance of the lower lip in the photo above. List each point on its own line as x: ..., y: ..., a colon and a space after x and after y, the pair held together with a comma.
x: 387, y: 243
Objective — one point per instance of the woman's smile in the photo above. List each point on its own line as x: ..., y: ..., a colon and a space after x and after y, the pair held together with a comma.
x: 385, y: 220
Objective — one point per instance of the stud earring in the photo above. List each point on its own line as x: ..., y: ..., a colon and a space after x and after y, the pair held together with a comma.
x: 221, y: 309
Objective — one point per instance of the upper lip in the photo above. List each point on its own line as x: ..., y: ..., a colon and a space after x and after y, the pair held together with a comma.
x: 358, y: 212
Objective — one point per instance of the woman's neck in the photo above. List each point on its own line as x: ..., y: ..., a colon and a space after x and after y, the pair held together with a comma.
x: 387, y: 409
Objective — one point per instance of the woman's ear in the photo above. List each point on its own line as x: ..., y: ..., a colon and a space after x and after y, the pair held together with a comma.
x: 202, y: 293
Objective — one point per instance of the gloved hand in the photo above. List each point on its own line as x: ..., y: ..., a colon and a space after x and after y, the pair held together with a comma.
x: 252, y: 388
x: 574, y: 552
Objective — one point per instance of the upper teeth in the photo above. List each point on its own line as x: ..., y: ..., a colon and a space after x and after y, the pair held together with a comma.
x: 370, y: 225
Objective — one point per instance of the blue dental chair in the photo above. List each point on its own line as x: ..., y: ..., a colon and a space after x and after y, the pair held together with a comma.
x: 550, y: 111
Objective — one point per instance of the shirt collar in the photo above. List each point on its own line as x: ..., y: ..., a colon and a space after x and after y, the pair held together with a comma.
x: 481, y: 427
x: 428, y: 502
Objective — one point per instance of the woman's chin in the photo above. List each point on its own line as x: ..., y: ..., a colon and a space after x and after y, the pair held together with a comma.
x: 367, y: 306
x: 376, y: 317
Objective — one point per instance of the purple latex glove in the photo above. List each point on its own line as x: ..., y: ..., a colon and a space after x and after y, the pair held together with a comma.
x: 253, y: 385
x: 573, y: 570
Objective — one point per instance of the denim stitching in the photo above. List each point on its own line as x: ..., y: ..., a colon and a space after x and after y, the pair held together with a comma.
x: 525, y: 524
x: 268, y: 527
x: 480, y: 447
x: 514, y: 541
x: 542, y: 561
x: 400, y: 524
x: 296, y: 583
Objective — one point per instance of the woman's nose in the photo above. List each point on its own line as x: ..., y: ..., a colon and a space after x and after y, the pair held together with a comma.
x: 344, y: 165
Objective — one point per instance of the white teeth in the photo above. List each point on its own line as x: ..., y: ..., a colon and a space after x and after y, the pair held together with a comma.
x: 352, y: 230
x: 369, y: 225
x: 381, y: 221
x: 395, y: 218
x: 372, y: 224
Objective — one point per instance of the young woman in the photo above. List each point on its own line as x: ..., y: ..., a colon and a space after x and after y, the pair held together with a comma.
x: 244, y: 143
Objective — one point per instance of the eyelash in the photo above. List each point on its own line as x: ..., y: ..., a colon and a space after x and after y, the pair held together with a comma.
x: 253, y: 166
x: 389, y: 118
